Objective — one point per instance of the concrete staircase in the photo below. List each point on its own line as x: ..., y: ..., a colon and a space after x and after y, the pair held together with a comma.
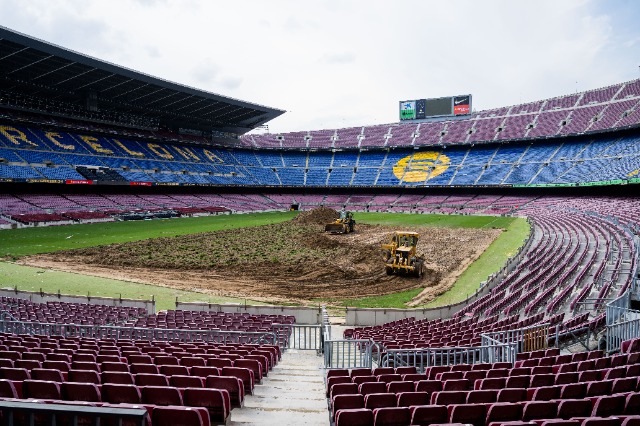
x: 292, y: 394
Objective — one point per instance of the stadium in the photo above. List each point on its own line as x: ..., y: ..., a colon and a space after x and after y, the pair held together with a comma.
x: 550, y: 336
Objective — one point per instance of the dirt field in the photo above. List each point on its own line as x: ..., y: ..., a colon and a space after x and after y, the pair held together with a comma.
x: 291, y: 262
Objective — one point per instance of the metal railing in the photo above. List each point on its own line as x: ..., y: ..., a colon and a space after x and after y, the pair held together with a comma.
x: 295, y: 336
x: 135, y: 333
x: 622, y: 323
x: 348, y: 353
x: 427, y: 357
x: 617, y: 308
x: 6, y: 315
x: 529, y: 338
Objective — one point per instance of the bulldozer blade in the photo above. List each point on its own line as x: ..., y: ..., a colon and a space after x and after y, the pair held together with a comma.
x: 334, y: 228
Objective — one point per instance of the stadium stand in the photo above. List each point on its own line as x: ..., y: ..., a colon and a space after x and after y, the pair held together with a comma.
x: 110, y: 371
x: 528, y: 397
x: 552, y: 162
x: 612, y: 107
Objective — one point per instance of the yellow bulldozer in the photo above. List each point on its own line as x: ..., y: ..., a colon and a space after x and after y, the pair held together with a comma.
x: 342, y: 225
x: 400, y: 255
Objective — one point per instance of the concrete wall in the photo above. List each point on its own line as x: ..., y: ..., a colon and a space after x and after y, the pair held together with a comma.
x: 303, y: 315
x: 41, y: 297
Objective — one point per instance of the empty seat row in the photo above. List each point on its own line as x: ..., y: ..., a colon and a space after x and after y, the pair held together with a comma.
x: 618, y: 379
x: 166, y: 405
x: 543, y: 393
x: 481, y: 414
x: 18, y: 376
x: 400, y: 416
x: 259, y: 364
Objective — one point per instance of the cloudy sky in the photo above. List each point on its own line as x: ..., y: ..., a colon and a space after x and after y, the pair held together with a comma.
x: 341, y: 63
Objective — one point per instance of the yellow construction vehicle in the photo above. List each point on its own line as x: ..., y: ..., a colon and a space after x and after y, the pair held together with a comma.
x: 400, y: 255
x: 342, y: 225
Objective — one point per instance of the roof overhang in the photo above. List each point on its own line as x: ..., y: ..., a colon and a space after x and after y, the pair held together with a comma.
x: 43, y: 70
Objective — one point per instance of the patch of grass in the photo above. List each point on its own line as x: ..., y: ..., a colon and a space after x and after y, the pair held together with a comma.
x: 505, y: 246
x: 439, y: 220
x: 28, y: 278
x: 395, y: 300
x: 15, y: 243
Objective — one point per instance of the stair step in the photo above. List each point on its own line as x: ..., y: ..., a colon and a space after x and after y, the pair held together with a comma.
x: 292, y: 394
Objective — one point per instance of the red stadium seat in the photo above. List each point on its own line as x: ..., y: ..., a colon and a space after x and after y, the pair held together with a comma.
x: 391, y: 416
x: 233, y: 385
x: 216, y: 401
x: 161, y: 395
x: 179, y: 416
x: 354, y: 417
x: 118, y: 394
x: 72, y: 391
x: 41, y: 389
x: 429, y: 414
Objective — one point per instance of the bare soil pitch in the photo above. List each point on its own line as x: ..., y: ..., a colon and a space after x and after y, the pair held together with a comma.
x: 290, y: 262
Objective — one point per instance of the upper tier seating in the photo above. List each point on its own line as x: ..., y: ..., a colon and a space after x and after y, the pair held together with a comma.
x: 612, y: 107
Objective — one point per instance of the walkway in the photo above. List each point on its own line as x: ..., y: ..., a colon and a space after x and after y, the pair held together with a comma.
x: 292, y: 394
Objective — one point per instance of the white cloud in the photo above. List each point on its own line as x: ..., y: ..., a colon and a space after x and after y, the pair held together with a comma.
x: 333, y: 63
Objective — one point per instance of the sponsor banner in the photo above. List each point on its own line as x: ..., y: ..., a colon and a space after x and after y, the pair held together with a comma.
x: 407, y: 110
x: 7, y: 180
x: 78, y: 182
x: 167, y: 184
x: 45, y: 181
x: 461, y: 110
x: 461, y: 105
x: 140, y: 183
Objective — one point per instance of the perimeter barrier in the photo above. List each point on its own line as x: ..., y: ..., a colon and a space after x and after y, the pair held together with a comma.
x: 622, y: 323
x: 296, y: 336
x: 428, y: 357
x: 350, y: 353
x: 526, y: 339
x: 135, y: 333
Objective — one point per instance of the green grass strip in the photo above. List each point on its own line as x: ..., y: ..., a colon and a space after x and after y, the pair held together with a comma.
x: 395, y: 300
x: 439, y: 220
x: 15, y: 243
x: 28, y: 278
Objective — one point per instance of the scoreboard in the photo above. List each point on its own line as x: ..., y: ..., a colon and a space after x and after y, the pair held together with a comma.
x: 449, y: 106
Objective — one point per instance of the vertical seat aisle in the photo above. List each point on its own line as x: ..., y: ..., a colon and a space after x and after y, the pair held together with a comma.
x: 292, y: 394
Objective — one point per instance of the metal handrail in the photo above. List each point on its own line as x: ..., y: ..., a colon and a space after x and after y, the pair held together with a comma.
x: 349, y: 353
x: 138, y: 333
x: 427, y: 357
x: 517, y: 336
x: 299, y: 336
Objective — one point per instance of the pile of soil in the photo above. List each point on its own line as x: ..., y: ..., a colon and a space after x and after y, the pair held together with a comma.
x: 293, y: 261
x: 317, y: 216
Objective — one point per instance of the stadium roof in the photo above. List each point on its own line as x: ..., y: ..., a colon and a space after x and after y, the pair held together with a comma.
x: 36, y: 68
